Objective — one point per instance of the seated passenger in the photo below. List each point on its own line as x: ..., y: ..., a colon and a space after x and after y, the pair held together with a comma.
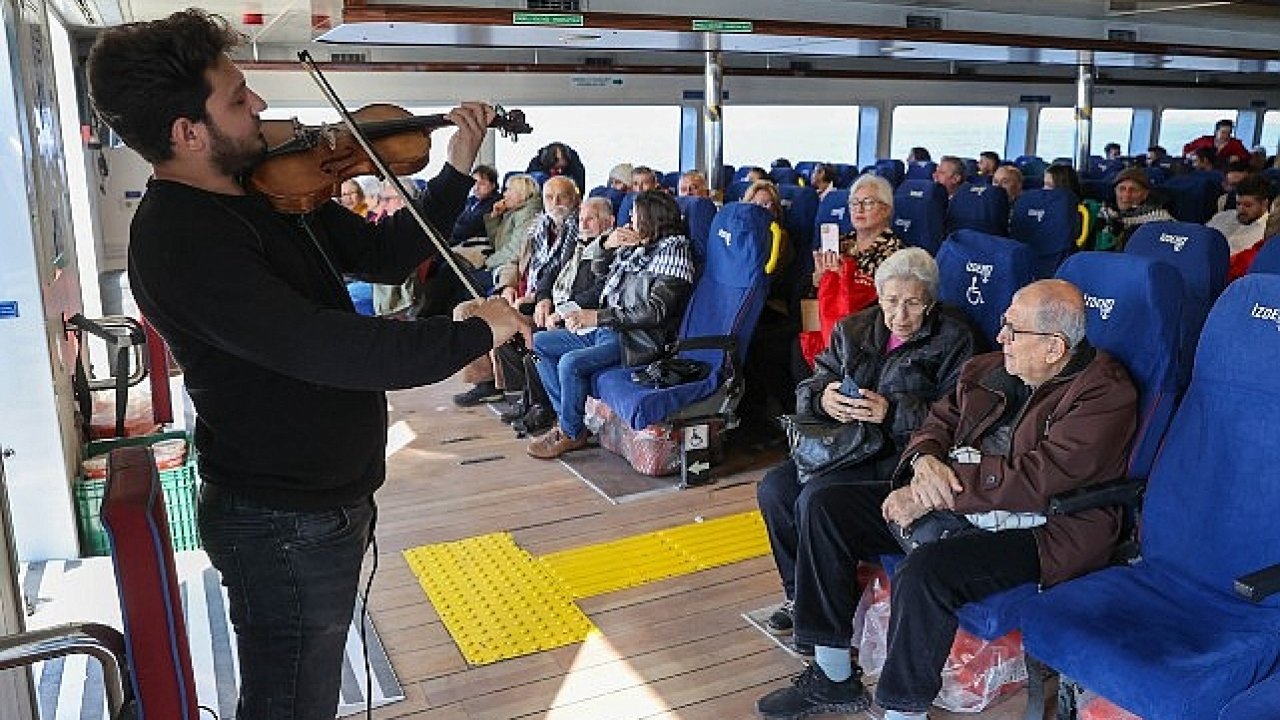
x: 904, y: 354
x: 537, y: 263
x: 559, y: 159
x: 823, y: 178
x: 1235, y: 172
x: 949, y: 174
x: 351, y: 195
x: 1204, y: 159
x: 484, y: 194
x: 507, y: 225
x: 641, y: 304
x: 1156, y: 155
x: 1133, y: 207
x: 643, y: 178
x: 576, y: 283
x: 918, y: 154
x: 988, y: 162
x: 620, y: 177
x: 1223, y: 143
x: 755, y: 174
x: 693, y: 183
x: 844, y: 280
x: 1111, y: 151
x: 1009, y: 178
x: 1046, y: 415
x: 1243, y: 225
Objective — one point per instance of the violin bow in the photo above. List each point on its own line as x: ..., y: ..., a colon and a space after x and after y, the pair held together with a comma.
x: 432, y: 234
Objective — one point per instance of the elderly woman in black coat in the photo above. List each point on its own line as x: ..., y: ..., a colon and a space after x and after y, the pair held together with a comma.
x: 902, y: 354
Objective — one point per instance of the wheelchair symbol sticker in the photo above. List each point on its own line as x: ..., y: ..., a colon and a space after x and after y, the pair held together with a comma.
x: 695, y: 437
x: 974, y: 293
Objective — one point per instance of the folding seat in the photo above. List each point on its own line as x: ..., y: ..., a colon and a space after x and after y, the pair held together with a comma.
x: 698, y: 212
x: 919, y: 213
x: 979, y: 206
x: 1201, y: 255
x: 1194, y: 196
x: 833, y: 208
x: 716, y: 329
x: 921, y: 170
x: 979, y: 273
x: 1185, y: 630
x: 892, y: 170
x: 151, y: 604
x: 1047, y: 221
x: 1268, y: 258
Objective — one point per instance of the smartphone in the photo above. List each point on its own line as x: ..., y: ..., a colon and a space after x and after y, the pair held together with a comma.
x: 849, y: 388
x: 830, y: 233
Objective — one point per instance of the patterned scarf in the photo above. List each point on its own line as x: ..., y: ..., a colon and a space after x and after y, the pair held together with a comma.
x: 546, y: 243
x: 669, y: 256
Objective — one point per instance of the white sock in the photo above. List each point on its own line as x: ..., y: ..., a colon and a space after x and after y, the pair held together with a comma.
x: 835, y: 662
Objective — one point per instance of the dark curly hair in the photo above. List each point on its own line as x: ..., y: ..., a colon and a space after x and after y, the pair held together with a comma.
x: 144, y: 76
x: 657, y: 215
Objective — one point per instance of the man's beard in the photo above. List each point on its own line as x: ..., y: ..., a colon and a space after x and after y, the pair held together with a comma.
x: 235, y: 158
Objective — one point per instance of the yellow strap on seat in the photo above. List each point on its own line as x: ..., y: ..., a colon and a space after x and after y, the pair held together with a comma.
x: 775, y: 249
x: 1084, y: 225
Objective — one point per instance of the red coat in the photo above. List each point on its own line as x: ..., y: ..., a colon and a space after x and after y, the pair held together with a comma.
x: 1233, y: 148
x: 839, y: 296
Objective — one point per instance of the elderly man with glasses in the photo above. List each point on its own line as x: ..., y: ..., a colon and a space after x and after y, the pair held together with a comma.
x: 1047, y: 414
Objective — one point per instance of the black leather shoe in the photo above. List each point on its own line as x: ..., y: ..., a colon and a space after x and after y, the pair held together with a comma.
x: 812, y: 693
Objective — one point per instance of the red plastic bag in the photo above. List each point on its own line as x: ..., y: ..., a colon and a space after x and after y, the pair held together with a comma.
x: 977, y: 672
x: 1099, y: 708
x: 839, y: 296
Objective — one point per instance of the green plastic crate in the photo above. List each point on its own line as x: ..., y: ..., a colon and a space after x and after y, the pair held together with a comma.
x: 179, y: 484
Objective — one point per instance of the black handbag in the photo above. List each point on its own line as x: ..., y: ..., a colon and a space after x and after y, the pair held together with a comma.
x: 820, y: 446
x: 933, y: 526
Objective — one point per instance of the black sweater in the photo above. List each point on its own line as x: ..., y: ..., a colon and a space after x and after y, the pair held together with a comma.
x: 286, y: 378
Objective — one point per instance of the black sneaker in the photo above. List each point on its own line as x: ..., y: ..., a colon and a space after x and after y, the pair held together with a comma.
x: 811, y: 693
x: 782, y: 621
x: 483, y: 393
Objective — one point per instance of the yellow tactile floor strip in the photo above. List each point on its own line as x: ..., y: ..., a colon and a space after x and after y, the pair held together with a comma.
x: 496, y: 601
x: 500, y: 602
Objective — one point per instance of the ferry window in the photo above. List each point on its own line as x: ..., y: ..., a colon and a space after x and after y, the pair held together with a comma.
x: 602, y: 135
x: 962, y: 130
x: 1057, y: 134
x: 758, y: 134
x: 1179, y: 127
x: 1270, y: 131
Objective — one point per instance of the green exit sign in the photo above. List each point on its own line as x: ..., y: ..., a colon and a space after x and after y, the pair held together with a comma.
x: 547, y: 19
x: 724, y: 26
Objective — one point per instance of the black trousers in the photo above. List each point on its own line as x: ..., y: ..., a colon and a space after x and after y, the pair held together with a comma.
x: 929, y: 587
x: 819, y: 531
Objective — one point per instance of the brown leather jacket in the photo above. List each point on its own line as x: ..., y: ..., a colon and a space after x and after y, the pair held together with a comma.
x: 1075, y: 430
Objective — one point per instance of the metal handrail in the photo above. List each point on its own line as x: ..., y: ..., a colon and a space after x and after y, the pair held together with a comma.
x: 104, y: 643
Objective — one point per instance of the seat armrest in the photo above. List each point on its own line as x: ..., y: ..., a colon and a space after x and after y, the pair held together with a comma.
x: 1258, y: 586
x: 1122, y: 491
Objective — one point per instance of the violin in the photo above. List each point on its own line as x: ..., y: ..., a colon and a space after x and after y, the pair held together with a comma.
x: 306, y: 165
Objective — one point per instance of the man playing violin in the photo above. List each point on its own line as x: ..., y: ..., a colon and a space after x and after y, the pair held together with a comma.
x: 286, y: 379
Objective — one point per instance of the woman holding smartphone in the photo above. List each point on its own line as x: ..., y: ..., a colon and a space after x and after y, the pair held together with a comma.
x: 885, y: 366
x: 844, y: 276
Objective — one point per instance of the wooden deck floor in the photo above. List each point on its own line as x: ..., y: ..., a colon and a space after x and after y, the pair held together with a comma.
x: 675, y: 649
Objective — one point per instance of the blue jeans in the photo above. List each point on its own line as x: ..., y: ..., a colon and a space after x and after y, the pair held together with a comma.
x: 291, y: 579
x: 566, y: 363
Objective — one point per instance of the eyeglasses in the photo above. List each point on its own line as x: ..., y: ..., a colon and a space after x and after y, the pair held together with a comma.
x: 864, y: 204
x: 1013, y: 333
x: 913, y: 306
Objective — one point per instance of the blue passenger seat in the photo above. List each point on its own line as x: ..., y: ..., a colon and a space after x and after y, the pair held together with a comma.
x: 919, y: 213
x: 1179, y: 634
x: 1048, y: 222
x: 979, y: 273
x: 979, y: 206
